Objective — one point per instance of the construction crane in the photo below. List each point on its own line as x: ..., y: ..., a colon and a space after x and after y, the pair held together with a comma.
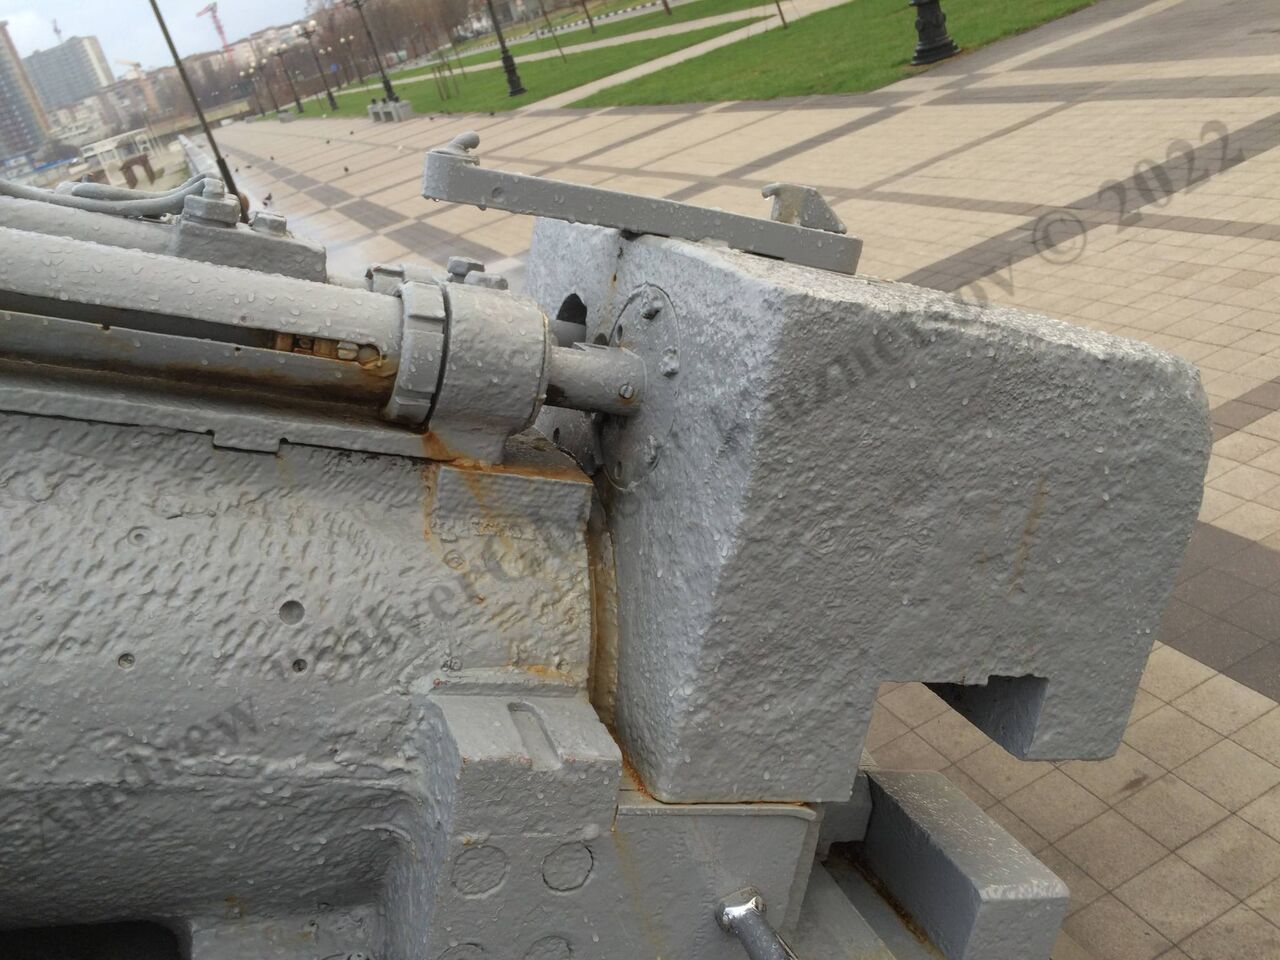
x: 212, y: 11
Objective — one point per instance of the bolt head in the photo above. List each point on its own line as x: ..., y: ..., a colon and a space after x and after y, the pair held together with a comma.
x: 224, y: 211
x: 626, y: 391
x: 272, y: 224
x: 461, y: 266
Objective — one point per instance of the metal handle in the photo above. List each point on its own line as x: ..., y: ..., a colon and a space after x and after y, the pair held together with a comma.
x: 742, y: 914
x: 453, y: 173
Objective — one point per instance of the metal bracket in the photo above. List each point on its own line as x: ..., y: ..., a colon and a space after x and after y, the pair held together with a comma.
x: 453, y: 173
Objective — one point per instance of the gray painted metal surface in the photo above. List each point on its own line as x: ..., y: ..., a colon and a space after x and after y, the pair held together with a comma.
x: 452, y: 173
x: 462, y: 366
x: 801, y: 427
x: 972, y: 887
x: 314, y: 649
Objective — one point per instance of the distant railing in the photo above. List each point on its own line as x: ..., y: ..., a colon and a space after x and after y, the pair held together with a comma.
x: 198, y: 156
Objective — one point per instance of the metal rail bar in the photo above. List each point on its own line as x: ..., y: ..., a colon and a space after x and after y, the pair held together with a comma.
x: 453, y: 174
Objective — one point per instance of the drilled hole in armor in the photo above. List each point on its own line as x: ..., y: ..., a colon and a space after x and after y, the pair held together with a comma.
x: 291, y: 612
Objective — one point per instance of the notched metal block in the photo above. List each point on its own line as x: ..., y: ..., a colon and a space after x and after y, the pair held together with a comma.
x: 889, y: 484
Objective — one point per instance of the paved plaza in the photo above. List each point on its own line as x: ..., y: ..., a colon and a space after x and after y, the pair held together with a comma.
x: 1117, y: 169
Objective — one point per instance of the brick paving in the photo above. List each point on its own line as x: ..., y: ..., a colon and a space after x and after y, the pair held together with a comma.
x: 1117, y: 169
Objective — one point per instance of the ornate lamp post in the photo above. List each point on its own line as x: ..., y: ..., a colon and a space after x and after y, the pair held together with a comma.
x: 258, y: 68
x: 251, y: 77
x: 348, y: 44
x: 280, y: 49
x: 308, y: 30
x: 386, y: 81
x: 514, y: 86
x: 328, y: 53
x: 931, y: 27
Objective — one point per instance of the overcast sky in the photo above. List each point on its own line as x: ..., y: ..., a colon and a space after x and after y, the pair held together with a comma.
x: 127, y: 29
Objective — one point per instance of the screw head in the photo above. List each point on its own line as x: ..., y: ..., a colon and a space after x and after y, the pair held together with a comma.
x: 626, y: 391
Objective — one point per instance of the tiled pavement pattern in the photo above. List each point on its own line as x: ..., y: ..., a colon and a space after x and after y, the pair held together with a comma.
x: 1118, y: 169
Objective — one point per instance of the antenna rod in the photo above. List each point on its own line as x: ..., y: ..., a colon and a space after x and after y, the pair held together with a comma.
x: 186, y: 82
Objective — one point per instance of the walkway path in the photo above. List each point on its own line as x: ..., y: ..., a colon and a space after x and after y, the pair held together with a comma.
x: 1141, y: 134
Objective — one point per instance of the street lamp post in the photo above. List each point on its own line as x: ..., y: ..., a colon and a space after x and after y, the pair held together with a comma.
x: 258, y: 68
x: 253, y: 85
x: 931, y: 28
x: 280, y: 49
x: 335, y: 64
x: 348, y: 44
x: 386, y: 81
x: 514, y: 86
x: 308, y: 30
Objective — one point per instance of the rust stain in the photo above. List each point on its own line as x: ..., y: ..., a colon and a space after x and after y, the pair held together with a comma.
x: 543, y: 672
x: 1028, y: 534
x: 235, y: 907
x: 912, y: 926
x: 367, y: 379
x: 628, y: 768
x: 434, y: 448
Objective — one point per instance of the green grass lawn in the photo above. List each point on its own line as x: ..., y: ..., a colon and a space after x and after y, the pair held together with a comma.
x: 485, y: 90
x: 617, y: 28
x: 859, y: 46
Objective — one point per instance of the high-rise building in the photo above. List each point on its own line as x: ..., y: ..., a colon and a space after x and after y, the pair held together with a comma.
x: 23, y: 126
x: 69, y: 72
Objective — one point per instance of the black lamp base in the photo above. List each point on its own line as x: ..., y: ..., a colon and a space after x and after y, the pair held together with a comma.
x: 931, y: 27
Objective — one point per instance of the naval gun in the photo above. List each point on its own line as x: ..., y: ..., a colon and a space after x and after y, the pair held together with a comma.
x: 403, y: 617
